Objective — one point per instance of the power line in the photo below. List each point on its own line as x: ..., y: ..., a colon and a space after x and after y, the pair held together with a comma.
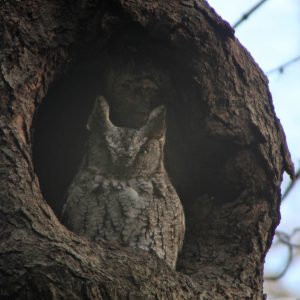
x: 246, y: 15
x: 282, y: 67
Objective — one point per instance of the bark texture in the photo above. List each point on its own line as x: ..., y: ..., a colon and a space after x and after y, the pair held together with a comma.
x: 225, y: 148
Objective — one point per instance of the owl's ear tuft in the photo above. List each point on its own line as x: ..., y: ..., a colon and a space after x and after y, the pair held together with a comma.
x: 156, y: 123
x: 99, y: 118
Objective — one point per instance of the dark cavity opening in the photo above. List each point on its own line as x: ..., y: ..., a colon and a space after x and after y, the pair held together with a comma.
x: 135, y: 75
x: 60, y: 131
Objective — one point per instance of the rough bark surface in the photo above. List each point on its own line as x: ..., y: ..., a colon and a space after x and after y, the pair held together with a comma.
x: 226, y: 150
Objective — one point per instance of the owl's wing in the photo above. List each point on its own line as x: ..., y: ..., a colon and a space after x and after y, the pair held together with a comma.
x: 80, y: 204
x: 73, y: 210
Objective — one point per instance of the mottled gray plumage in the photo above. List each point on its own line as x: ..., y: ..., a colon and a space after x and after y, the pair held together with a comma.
x: 122, y: 192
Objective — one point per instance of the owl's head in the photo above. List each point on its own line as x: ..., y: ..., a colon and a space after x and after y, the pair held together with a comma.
x: 123, y: 150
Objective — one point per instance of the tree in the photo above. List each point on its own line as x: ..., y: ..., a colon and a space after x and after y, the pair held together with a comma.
x: 225, y: 148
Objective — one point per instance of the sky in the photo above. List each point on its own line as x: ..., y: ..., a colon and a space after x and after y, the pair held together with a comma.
x: 272, y: 36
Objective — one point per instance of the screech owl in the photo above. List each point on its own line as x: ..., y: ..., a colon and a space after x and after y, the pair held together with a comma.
x: 122, y: 192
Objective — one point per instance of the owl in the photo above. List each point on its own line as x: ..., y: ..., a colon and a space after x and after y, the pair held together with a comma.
x: 122, y: 192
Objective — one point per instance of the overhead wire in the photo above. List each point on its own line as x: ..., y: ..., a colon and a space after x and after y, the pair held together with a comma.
x: 246, y: 15
x: 282, y: 67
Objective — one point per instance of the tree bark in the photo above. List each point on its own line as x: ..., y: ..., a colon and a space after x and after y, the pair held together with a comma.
x: 225, y: 149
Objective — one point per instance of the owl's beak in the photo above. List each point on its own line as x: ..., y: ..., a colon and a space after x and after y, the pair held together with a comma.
x: 124, y: 160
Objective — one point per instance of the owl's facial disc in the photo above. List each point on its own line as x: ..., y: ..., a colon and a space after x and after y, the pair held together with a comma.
x: 124, y: 144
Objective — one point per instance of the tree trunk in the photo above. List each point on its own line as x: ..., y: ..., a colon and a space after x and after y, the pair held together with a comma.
x: 225, y: 148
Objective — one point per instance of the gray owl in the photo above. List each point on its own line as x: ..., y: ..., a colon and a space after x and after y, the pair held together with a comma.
x: 122, y: 192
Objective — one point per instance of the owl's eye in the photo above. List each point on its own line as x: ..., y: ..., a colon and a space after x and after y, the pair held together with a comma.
x: 146, y: 148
